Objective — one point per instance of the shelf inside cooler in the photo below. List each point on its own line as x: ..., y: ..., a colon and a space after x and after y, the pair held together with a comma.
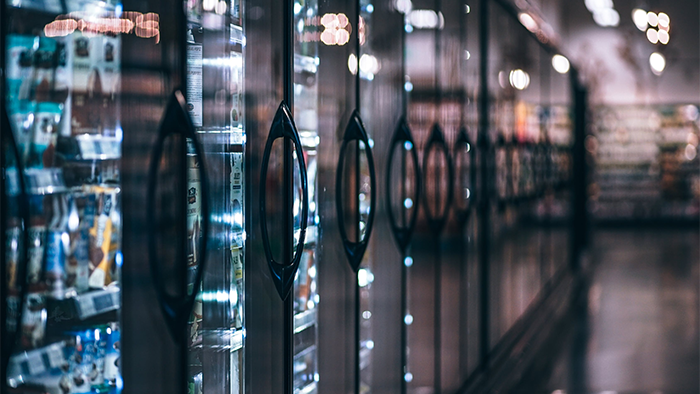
x: 305, y: 64
x: 43, y: 181
x: 308, y: 389
x: 237, y: 36
x: 87, y: 308
x: 35, y: 362
x: 225, y: 339
x: 309, y: 138
x: 89, y: 147
x: 304, y: 320
x: 45, y: 7
x: 311, y: 235
x: 237, y: 340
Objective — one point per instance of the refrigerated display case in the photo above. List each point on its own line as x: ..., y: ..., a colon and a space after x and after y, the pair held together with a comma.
x: 531, y: 134
x: 123, y: 113
x: 62, y: 109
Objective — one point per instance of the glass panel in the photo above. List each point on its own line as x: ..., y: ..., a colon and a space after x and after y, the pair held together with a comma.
x: 215, y: 69
x: 531, y: 129
x: 63, y: 92
x: 306, y: 297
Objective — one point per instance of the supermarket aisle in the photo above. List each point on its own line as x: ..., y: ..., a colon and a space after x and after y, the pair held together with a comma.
x: 642, y: 331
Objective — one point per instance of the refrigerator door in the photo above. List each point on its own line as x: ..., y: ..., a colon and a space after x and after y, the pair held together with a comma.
x: 379, y: 277
x: 281, y: 126
x: 215, y: 87
x: 62, y: 200
x: 167, y: 200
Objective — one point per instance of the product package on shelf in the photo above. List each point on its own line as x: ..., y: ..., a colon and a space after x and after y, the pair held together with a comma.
x: 103, y: 235
x: 237, y: 265
x: 95, y: 81
x: 646, y: 156
x: 237, y: 89
x: 194, y: 78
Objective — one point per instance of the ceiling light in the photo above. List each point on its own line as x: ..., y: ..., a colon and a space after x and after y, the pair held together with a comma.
x: 607, y: 17
x: 598, y: 5
x: 653, y: 36
x: 652, y: 19
x: 519, y: 79
x: 657, y: 62
x: 426, y: 19
x: 561, y: 64
x: 639, y: 17
x: 663, y: 20
x: 664, y: 37
x: 528, y: 21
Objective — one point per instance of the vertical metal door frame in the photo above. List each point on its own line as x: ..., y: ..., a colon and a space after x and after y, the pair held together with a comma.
x: 484, y: 203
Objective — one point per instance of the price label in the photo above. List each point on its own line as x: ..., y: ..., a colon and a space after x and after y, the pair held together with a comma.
x: 35, y: 363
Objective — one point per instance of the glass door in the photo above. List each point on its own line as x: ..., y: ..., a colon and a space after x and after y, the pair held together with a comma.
x: 63, y: 197
x: 305, y: 291
x: 215, y: 42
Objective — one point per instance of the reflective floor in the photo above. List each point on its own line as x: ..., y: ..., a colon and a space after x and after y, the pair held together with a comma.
x: 640, y: 333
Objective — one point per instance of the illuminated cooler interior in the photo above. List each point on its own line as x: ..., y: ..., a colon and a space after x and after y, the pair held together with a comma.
x: 215, y: 86
x: 63, y: 92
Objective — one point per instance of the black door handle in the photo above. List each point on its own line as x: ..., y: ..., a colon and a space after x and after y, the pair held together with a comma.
x: 176, y: 309
x: 464, y: 146
x: 402, y: 139
x: 437, y: 219
x: 9, y: 334
x: 283, y: 273
x: 355, y: 131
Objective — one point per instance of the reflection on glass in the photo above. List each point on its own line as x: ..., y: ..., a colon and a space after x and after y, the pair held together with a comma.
x: 63, y: 87
x: 215, y: 67
x: 310, y: 28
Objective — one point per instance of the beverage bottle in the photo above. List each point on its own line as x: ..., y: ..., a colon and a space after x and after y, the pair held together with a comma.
x: 33, y: 324
x: 81, y: 218
x: 112, y: 355
x: 57, y: 246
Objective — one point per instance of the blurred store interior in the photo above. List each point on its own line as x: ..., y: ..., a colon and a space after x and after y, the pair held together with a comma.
x: 350, y: 196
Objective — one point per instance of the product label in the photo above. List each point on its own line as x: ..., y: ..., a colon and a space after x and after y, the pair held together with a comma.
x: 194, y: 208
x: 194, y: 83
x: 237, y: 195
x: 237, y: 89
x: 237, y: 262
